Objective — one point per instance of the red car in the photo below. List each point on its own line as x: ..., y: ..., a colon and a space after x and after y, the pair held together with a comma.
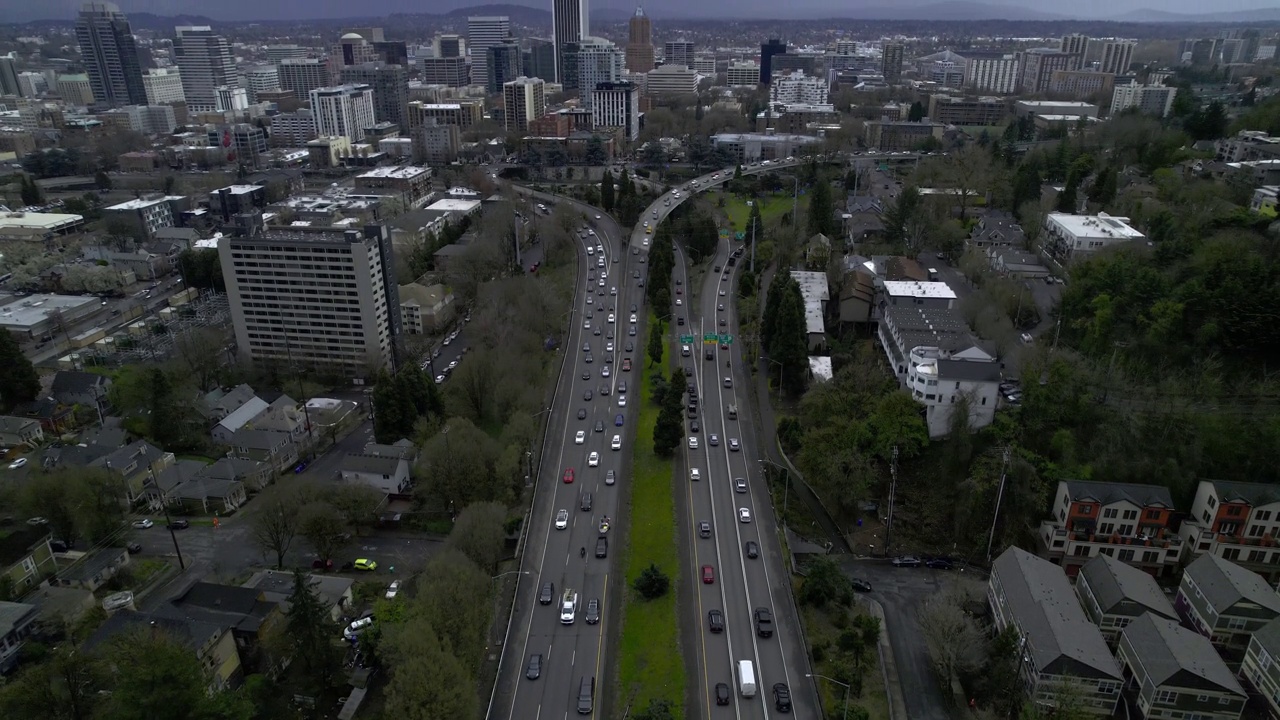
x: 568, y: 475
x: 708, y: 574
x: 626, y: 364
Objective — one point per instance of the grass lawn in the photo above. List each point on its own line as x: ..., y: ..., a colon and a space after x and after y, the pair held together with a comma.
x: 651, y: 665
x: 821, y: 628
x: 772, y: 208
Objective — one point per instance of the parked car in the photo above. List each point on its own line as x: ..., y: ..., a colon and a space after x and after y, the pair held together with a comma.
x: 179, y: 525
x: 366, y: 564
x: 906, y: 561
x: 939, y: 563
x: 860, y: 585
x: 142, y: 524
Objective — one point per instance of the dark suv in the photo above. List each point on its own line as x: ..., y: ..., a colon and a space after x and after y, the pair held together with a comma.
x: 602, y: 547
x: 764, y: 622
x: 782, y: 697
x: 548, y: 593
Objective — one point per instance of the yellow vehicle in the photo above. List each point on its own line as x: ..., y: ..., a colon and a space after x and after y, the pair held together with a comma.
x: 647, y: 229
x: 365, y: 564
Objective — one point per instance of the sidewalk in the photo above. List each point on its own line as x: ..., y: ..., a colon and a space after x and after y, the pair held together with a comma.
x: 888, y: 665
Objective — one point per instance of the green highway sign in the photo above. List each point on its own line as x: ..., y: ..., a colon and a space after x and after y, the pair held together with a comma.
x: 686, y: 339
x: 726, y: 339
x: 710, y: 338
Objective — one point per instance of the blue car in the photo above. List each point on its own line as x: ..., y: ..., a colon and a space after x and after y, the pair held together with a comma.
x: 617, y: 421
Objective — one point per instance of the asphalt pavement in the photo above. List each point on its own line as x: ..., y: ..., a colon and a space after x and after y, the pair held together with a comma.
x: 569, y: 558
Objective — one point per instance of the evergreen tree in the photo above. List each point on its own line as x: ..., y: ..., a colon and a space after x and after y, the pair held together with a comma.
x: 310, y: 633
x: 790, y: 347
x: 102, y: 180
x: 821, y: 208
x: 1026, y: 185
x: 30, y: 191
x: 655, y: 344
x: 606, y: 192
x: 900, y: 214
x: 19, y: 381
x: 1104, y: 187
x: 165, y: 426
x: 916, y: 113
x: 769, y: 320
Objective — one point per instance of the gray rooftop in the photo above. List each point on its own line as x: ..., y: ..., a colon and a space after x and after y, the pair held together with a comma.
x: 1113, y: 582
x: 1252, y: 493
x: 1224, y: 584
x: 194, y: 634
x: 370, y: 464
x: 13, y: 614
x: 1109, y: 492
x: 1268, y: 636
x: 968, y: 370
x: 1176, y: 657
x: 1041, y: 601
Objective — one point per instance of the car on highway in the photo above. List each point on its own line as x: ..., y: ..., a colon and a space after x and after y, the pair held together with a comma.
x: 722, y: 293
x: 179, y: 525
x: 740, y: 485
x: 586, y: 374
x: 142, y: 524
x: 622, y: 401
x: 715, y: 621
x: 366, y: 564
x: 562, y: 519
x: 708, y: 574
x: 906, y: 561
x: 781, y: 697
x: 860, y: 585
x: 764, y: 622
x: 693, y: 443
x: 593, y: 460
x: 610, y: 477
x: 713, y: 440
x: 533, y: 670
x: 602, y: 547
x: 722, y: 693
x: 586, y: 395
x: 547, y: 594
x: 616, y: 443
x: 695, y: 474
x: 580, y: 438
x: 704, y: 529
x: 752, y: 549
x: 694, y: 426
x: 599, y: 426
x: 605, y: 372
x: 744, y: 515
x: 568, y: 475
x: 619, y: 418
x: 582, y: 413
x: 734, y: 446
x: 592, y: 615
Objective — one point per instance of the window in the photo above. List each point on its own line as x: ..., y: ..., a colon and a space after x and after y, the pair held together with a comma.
x: 1213, y: 502
x: 1109, y: 512
x: 1166, y: 697
x: 1234, y: 510
x: 1084, y: 509
x: 1256, y: 530
x: 1130, y: 514
x: 1235, y: 623
x: 1153, y: 514
x: 1257, y: 556
x: 1264, y: 515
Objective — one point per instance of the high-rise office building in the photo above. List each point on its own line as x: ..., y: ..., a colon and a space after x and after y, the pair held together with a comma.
x: 567, y: 65
x: 617, y: 104
x: 163, y: 86
x: 483, y: 32
x: 743, y: 74
x: 1117, y: 56
x: 450, y: 46
x: 767, y: 51
x: 32, y: 84
x: 390, y: 85
x: 502, y: 64
x: 540, y: 60
x: 570, y: 23
x: 991, y: 72
x: 276, y: 53
x: 302, y: 75
x: 354, y: 48
x: 110, y: 55
x: 678, y: 52
x: 448, y: 71
x: 323, y: 300
x: 891, y: 61
x: 9, y: 77
x: 345, y: 110
x: 1038, y: 65
x: 261, y: 78
x: 1074, y: 44
x: 523, y: 99
x: 229, y: 98
x: 75, y: 89
x: 599, y: 61
x: 206, y: 62
x: 639, y: 43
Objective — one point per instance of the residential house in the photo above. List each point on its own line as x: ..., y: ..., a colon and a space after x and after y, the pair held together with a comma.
x: 219, y: 403
x: 1175, y: 673
x: 1261, y: 666
x: 237, y: 419
x: 283, y: 414
x: 1069, y: 237
x: 815, y: 292
x: 16, y: 623
x: 213, y: 643
x: 1114, y: 594
x: 857, y: 290
x: 334, y: 591
x: 246, y: 611
x: 18, y: 431
x: 275, y: 448
x: 252, y: 474
x: 863, y: 219
x: 1224, y: 601
x: 1236, y: 521
x: 385, y: 467
x: 26, y: 557
x: 54, y: 417
x: 997, y: 230
x: 1127, y: 521
x: 817, y: 252
x: 1059, y: 645
x: 71, y: 387
x: 1016, y: 263
x: 60, y: 607
x: 95, y: 444
x: 136, y: 462
x: 197, y: 488
x: 91, y: 570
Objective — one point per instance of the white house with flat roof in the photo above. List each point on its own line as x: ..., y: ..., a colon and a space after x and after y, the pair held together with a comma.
x: 38, y: 315
x: 1069, y: 237
x: 814, y: 290
x: 37, y: 226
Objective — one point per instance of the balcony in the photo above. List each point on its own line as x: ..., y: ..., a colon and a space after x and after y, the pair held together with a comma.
x: 1057, y: 538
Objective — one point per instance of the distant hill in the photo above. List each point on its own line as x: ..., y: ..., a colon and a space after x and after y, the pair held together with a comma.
x: 521, y: 14
x: 1262, y: 15
x: 947, y: 11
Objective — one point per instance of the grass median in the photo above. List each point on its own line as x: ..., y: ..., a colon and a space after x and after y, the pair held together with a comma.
x: 772, y: 207
x: 650, y: 664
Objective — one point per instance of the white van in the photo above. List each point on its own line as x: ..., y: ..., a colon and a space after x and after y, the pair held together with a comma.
x: 746, y: 678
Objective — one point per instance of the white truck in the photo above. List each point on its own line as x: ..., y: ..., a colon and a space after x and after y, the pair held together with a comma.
x: 746, y: 678
x: 568, y: 607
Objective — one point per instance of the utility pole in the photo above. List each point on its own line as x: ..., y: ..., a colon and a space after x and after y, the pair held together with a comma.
x: 751, y: 219
x: 1004, y: 474
x: 893, y: 493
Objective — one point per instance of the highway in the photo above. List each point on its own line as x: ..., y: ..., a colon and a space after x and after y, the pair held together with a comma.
x: 741, y: 583
x: 571, y: 652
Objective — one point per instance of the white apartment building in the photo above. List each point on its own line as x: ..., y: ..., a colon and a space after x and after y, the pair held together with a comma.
x: 149, y: 214
x: 231, y: 99
x: 293, y: 129
x: 1148, y: 99
x: 206, y: 62
x: 75, y: 89
x: 344, y: 110
x: 317, y: 300
x: 796, y: 87
x: 934, y: 355
x: 1069, y: 237
x: 1236, y: 521
x: 261, y: 78
x: 163, y: 85
x: 671, y: 80
x: 705, y: 64
x: 599, y: 61
x: 302, y: 75
x: 617, y: 105
x: 523, y: 99
x: 1117, y: 56
x: 992, y: 72
x: 743, y: 74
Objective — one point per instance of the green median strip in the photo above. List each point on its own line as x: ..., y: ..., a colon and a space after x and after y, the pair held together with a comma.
x: 651, y: 666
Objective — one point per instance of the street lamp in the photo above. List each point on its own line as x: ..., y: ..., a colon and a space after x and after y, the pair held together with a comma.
x: 846, y: 690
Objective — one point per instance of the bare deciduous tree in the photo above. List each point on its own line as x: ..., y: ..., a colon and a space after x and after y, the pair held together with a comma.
x: 275, y: 525
x: 955, y: 642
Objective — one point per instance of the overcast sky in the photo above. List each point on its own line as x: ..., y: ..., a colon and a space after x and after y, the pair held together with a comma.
x: 229, y: 10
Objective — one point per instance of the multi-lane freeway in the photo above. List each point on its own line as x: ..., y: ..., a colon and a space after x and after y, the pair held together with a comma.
x: 580, y: 478
x: 734, y: 562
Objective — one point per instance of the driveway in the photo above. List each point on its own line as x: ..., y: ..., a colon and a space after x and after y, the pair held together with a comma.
x: 902, y: 592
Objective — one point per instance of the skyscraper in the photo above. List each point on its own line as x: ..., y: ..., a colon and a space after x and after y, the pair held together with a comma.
x: 502, y: 64
x: 483, y: 32
x: 523, y: 99
x: 9, y: 77
x: 540, y: 60
x: 390, y: 85
x: 678, y: 52
x: 570, y: 23
x: 449, y: 46
x: 302, y: 75
x: 767, y: 51
x: 639, y: 43
x: 1038, y: 65
x: 617, y: 105
x: 1117, y: 56
x: 163, y: 86
x: 346, y: 111
x: 599, y: 61
x: 1074, y: 44
x: 205, y: 60
x: 110, y: 55
x: 891, y: 61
